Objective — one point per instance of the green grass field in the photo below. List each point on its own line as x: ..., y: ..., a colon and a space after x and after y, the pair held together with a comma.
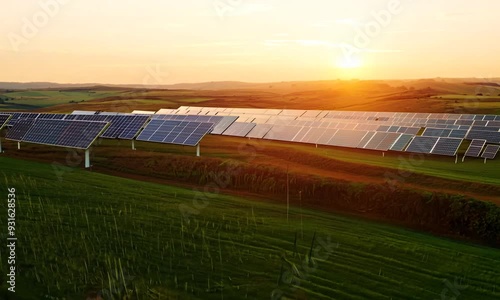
x: 41, y: 99
x: 79, y: 231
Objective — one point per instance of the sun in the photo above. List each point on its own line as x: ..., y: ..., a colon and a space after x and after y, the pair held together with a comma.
x: 349, y: 62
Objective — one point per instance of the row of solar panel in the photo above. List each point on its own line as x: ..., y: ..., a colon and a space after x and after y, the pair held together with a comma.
x: 221, y: 123
x: 123, y: 126
x: 477, y: 146
x: 323, y: 113
x: 127, y: 126
x: 63, y: 133
x: 81, y: 133
x: 175, y: 132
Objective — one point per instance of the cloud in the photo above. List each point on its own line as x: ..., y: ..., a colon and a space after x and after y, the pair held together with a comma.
x: 329, y: 23
x: 302, y: 42
x: 252, y: 8
x: 452, y: 16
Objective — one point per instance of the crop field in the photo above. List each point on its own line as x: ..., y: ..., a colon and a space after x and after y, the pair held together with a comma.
x: 152, y: 241
x: 40, y: 99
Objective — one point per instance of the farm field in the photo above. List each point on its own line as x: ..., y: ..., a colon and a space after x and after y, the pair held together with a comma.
x: 23, y: 100
x: 118, y: 235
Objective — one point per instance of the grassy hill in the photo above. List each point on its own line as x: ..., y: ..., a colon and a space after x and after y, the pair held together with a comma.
x: 81, y: 232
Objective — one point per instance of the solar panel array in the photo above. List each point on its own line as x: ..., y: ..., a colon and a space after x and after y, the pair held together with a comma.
x: 221, y: 123
x: 490, y: 152
x: 175, y: 132
x: 63, y: 133
x: 431, y: 133
x: 123, y: 126
x: 440, y: 134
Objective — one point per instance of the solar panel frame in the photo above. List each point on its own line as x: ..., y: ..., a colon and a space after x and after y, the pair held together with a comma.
x: 59, y: 133
x: 401, y: 143
x: 19, y: 129
x: 347, y: 138
x: 240, y: 129
x: 133, y: 127
x: 314, y: 135
x: 475, y: 148
x: 447, y: 146
x: 388, y: 141
x: 4, y: 119
x: 489, y: 136
x: 186, y: 133
x: 366, y: 139
x: 490, y: 152
x: 422, y: 144
x: 259, y: 131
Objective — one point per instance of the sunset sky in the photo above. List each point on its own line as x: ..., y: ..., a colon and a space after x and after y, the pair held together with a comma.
x: 108, y: 41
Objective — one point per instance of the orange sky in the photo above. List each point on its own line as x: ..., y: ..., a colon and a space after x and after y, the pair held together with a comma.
x: 163, y: 41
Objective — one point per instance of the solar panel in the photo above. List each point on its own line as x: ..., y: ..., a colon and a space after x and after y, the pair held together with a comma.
x: 382, y: 141
x: 240, y: 129
x: 326, y: 136
x: 19, y: 129
x: 489, y: 136
x: 447, y: 146
x: 169, y: 111
x: 292, y: 112
x: 401, y: 143
x: 458, y: 133
x: 175, y: 132
x: 84, y: 112
x: 304, y: 131
x: 123, y: 126
x: 132, y: 127
x: 422, y: 144
x: 145, y: 112
x: 259, y: 131
x: 347, y: 138
x: 366, y: 139
x: 51, y: 116
x: 413, y: 130
x: 221, y: 123
x: 62, y: 133
x: 283, y: 133
x: 4, y: 119
x: 436, y: 132
x: 313, y: 135
x: 388, y: 141
x: 490, y: 152
x: 375, y: 140
x: 475, y: 148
